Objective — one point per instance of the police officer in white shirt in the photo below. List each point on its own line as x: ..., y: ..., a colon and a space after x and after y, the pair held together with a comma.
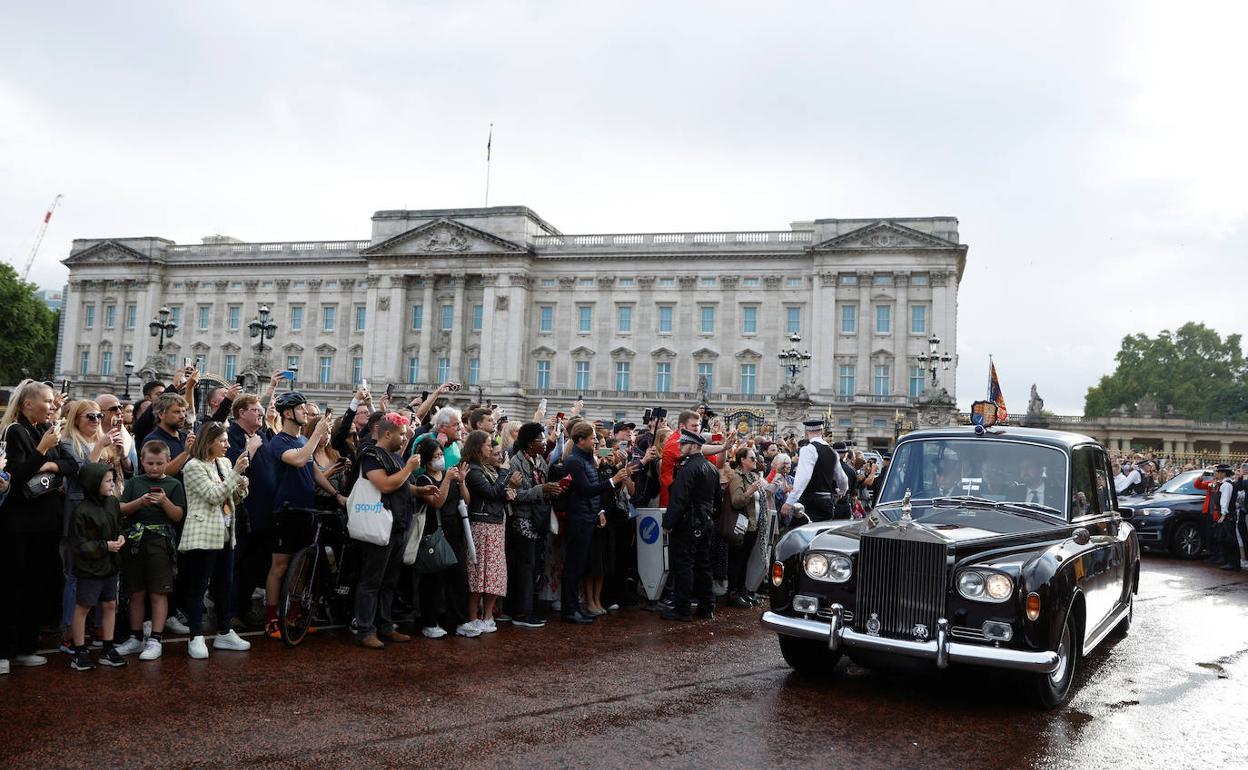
x: 820, y: 481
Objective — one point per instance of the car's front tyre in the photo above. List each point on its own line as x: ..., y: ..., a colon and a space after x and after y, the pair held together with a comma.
x: 808, y: 657
x: 1053, y: 689
x: 1187, y: 541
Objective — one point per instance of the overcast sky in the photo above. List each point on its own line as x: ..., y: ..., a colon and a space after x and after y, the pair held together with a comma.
x: 1093, y: 152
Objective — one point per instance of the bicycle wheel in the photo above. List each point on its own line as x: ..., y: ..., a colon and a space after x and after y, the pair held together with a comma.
x: 300, y: 593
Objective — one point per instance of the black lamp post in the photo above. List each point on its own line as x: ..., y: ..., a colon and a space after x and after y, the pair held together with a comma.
x: 933, y: 360
x: 129, y: 367
x: 792, y: 359
x: 262, y: 328
x: 164, y: 327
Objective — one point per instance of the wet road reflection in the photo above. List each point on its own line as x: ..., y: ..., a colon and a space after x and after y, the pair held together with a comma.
x: 634, y: 691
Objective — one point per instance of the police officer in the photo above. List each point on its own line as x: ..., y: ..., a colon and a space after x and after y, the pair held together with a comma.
x: 820, y: 480
x: 1221, y: 505
x: 689, y: 521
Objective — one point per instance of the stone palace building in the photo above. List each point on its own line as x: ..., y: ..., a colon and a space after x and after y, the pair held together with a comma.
x: 503, y: 302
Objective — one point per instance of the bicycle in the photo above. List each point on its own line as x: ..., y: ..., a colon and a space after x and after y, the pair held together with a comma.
x: 316, y: 587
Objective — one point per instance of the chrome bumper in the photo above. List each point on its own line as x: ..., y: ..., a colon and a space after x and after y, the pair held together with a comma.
x: 940, y: 649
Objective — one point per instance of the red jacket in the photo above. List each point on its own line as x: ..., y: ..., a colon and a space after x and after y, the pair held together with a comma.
x: 1209, y: 485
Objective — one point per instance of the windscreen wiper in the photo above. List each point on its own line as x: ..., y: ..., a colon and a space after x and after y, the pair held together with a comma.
x: 1034, y: 507
x: 958, y: 500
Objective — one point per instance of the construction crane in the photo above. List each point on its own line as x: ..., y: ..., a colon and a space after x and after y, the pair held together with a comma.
x: 34, y: 250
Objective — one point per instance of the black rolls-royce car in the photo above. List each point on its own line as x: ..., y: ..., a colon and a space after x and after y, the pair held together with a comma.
x: 1000, y: 547
x: 1172, y: 518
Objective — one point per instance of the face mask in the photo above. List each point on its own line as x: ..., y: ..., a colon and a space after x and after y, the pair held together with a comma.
x: 438, y: 464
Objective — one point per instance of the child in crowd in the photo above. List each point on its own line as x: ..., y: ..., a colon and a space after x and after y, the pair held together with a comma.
x: 96, y: 539
x: 152, y: 504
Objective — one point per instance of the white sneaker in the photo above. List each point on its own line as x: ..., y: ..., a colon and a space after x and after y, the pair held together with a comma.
x: 468, y: 629
x: 29, y: 661
x: 231, y: 641
x: 151, y: 650
x: 175, y: 624
x: 487, y: 626
x: 196, y: 648
x: 130, y: 647
x: 4, y: 665
x: 433, y: 632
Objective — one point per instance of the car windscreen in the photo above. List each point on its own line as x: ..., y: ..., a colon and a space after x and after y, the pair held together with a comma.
x: 1183, y: 484
x: 994, y: 469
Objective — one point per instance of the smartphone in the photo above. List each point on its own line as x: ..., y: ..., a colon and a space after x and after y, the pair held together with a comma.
x: 65, y: 387
x: 364, y: 384
x: 580, y: 397
x: 390, y: 390
x: 565, y: 482
x: 186, y: 362
x: 240, y: 380
x: 288, y: 374
x: 717, y: 438
x: 451, y: 387
x: 605, y: 452
x: 542, y: 405
x: 646, y: 415
x: 559, y: 416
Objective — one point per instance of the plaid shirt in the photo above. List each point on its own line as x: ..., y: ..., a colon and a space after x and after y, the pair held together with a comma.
x: 212, y: 491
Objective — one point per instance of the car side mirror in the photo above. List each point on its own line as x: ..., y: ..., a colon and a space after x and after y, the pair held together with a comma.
x: 1125, y: 512
x: 1081, y: 536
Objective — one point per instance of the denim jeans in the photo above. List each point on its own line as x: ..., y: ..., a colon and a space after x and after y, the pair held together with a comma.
x: 379, y: 575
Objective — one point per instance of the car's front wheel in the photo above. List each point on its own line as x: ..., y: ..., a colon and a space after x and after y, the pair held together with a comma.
x: 808, y: 657
x: 1053, y: 689
x: 1187, y: 541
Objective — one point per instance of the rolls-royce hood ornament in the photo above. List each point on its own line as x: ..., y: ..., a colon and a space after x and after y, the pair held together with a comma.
x: 905, y: 519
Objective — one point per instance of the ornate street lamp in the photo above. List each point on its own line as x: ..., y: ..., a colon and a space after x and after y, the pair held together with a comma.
x: 129, y: 367
x: 262, y: 328
x: 932, y: 360
x: 794, y: 360
x: 164, y: 327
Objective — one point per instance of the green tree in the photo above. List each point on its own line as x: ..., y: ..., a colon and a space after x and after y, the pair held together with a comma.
x: 27, y: 330
x: 1192, y: 371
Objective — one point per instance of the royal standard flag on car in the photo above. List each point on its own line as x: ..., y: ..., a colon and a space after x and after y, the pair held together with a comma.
x: 994, y: 393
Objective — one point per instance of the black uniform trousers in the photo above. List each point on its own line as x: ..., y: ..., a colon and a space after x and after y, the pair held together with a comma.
x: 578, y: 536
x: 30, y: 587
x: 690, y: 555
x: 820, y: 507
x: 521, y: 574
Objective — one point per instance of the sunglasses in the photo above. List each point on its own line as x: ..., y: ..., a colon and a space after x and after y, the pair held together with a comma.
x: 94, y: 416
x: 117, y: 408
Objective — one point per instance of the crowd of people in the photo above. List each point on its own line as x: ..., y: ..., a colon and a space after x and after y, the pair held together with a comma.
x: 125, y: 522
x: 133, y: 521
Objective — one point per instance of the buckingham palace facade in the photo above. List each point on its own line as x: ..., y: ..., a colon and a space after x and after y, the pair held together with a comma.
x: 500, y: 300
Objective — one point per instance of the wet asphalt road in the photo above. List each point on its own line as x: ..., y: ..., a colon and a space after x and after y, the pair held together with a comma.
x: 634, y: 691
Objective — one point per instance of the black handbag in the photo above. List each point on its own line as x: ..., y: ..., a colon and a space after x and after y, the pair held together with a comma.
x: 41, y: 484
x: 435, y: 553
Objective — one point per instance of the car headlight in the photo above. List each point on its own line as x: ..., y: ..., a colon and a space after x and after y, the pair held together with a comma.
x: 829, y: 567
x: 985, y: 586
x: 1154, y: 511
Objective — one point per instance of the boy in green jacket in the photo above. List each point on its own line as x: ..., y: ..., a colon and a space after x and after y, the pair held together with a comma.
x: 95, y: 535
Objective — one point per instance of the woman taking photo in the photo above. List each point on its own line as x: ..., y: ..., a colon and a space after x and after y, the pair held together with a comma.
x: 30, y: 521
x: 490, y: 492
x: 84, y: 441
x: 214, y: 488
x: 745, y: 488
x: 439, y: 489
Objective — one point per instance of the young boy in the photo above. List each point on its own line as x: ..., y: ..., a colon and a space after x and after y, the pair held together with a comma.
x: 151, y: 504
x: 95, y: 535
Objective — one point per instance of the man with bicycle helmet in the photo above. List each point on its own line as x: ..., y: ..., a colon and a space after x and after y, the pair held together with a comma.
x: 290, y: 455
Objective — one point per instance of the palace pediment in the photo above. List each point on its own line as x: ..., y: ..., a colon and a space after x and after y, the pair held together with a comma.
x: 885, y: 235
x: 109, y: 252
x: 443, y: 237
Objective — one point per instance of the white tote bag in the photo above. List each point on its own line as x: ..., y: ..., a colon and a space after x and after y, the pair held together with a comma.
x: 368, y: 518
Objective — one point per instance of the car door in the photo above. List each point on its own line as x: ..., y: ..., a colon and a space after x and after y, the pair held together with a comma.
x: 1092, y: 509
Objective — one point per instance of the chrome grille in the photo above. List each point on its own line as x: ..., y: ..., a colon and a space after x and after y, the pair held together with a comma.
x: 902, y: 582
x: 847, y: 616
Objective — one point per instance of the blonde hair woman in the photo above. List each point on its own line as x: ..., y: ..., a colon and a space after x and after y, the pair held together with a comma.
x: 30, y: 526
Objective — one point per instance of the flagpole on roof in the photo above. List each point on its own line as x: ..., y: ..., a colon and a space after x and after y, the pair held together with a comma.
x: 488, y: 143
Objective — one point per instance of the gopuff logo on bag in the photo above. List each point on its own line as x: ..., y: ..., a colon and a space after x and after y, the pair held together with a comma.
x: 369, y: 507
